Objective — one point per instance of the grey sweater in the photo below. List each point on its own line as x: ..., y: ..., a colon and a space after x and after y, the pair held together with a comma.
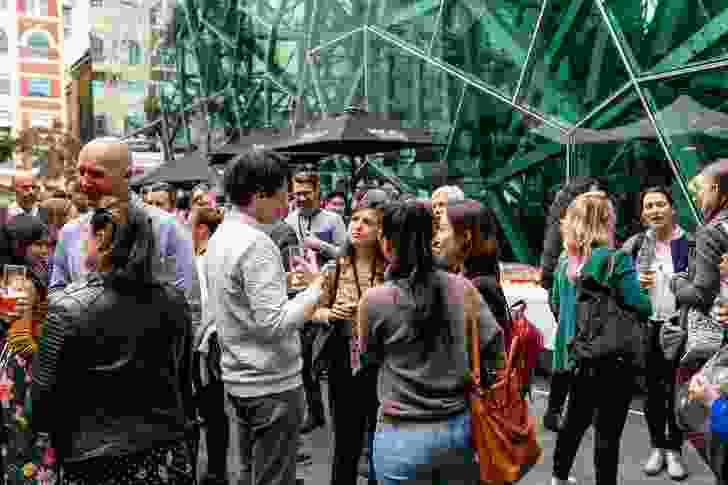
x: 700, y: 288
x: 257, y: 325
x: 415, y: 384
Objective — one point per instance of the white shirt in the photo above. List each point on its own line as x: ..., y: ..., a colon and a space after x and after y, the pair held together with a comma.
x: 663, y: 300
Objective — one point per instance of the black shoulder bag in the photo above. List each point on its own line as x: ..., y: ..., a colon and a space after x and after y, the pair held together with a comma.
x: 607, y: 331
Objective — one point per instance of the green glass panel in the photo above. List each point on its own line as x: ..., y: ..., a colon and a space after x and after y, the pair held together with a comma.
x: 666, y: 34
x: 575, y: 63
x: 336, y: 76
x: 411, y: 90
x: 487, y: 38
x: 627, y: 152
x: 692, y: 113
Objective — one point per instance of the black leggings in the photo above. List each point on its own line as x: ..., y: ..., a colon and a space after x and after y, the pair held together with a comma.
x: 587, y: 400
x: 660, y: 403
x: 354, y: 404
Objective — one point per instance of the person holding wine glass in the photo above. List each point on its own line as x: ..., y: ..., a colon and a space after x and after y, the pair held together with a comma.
x: 659, y: 252
x: 352, y: 398
x: 24, y: 313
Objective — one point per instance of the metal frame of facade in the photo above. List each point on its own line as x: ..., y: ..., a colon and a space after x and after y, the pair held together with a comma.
x: 259, y: 87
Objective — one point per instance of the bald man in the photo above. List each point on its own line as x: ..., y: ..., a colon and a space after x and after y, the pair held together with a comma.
x: 104, y: 166
x: 26, y: 195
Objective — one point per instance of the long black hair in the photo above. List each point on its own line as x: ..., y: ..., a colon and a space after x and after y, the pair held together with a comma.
x: 408, y: 226
x: 133, y: 250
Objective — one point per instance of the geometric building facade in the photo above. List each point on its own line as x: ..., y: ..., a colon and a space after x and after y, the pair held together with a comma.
x: 522, y: 94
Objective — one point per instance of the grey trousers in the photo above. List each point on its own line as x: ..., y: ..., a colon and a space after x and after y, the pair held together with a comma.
x: 269, y: 428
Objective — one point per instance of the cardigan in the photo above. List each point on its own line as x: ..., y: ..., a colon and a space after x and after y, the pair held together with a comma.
x: 564, y: 297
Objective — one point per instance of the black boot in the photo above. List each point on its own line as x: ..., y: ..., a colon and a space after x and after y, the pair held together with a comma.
x: 560, y: 383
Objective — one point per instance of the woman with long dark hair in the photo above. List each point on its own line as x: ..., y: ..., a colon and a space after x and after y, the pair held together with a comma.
x: 30, y: 240
x: 352, y: 398
x: 415, y: 326
x: 116, y: 356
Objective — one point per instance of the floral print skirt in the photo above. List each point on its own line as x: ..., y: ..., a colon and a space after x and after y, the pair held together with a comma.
x: 168, y: 464
x: 26, y: 459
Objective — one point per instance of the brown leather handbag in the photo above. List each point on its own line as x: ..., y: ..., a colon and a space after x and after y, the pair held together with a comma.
x: 503, y: 433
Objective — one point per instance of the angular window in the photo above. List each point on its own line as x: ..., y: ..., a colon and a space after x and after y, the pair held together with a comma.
x: 5, y: 84
x: 38, y: 8
x: 67, y: 21
x: 97, y: 48
x: 39, y: 87
x: 135, y: 52
x: 3, y: 5
x: 3, y: 42
x: 97, y: 3
x: 37, y: 45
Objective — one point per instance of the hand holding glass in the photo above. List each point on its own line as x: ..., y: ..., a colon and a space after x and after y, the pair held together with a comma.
x: 648, y: 278
x: 14, y: 292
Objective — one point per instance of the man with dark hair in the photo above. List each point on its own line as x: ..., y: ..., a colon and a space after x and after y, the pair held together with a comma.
x: 309, y: 220
x: 336, y: 203
x: 259, y: 327
x: 162, y: 196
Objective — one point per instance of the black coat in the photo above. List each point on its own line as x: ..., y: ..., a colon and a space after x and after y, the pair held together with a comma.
x: 113, y: 370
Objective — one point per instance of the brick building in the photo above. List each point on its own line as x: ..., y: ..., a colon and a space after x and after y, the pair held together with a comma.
x: 39, y: 63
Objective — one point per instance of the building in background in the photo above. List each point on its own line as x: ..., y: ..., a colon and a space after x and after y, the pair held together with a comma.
x: 31, y: 64
x: 8, y: 62
x: 39, y: 62
x: 114, y: 69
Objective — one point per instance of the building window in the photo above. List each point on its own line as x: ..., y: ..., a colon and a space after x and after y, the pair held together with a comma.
x: 97, y: 3
x: 3, y: 5
x: 38, y: 44
x: 36, y: 7
x: 67, y: 21
x: 39, y: 87
x: 5, y: 84
x: 135, y: 52
x: 40, y: 120
x: 100, y: 125
x: 97, y: 48
x: 154, y: 16
x: 3, y: 41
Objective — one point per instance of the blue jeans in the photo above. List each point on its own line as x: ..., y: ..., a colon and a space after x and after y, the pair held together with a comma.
x: 424, y: 453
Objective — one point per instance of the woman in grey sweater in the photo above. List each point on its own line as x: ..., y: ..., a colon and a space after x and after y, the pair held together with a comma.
x: 415, y: 326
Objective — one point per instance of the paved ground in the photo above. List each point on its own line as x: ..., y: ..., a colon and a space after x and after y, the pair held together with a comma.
x: 635, y: 446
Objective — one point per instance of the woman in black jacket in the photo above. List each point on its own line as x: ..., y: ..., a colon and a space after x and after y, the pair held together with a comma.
x: 115, y: 357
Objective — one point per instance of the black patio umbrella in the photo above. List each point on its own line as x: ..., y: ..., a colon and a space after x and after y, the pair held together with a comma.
x: 354, y: 134
x: 261, y: 138
x: 192, y: 167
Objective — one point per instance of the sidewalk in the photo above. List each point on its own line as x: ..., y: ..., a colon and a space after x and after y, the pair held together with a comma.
x: 634, y: 449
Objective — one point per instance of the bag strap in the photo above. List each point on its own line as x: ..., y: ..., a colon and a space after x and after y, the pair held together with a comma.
x: 335, y: 289
x: 475, y: 356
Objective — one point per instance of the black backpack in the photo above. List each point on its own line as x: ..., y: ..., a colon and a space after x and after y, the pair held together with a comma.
x: 607, y: 331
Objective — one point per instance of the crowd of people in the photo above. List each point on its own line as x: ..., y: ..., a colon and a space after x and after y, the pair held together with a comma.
x: 149, y: 320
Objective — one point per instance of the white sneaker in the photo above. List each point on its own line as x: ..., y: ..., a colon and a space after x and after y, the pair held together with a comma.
x: 570, y: 481
x: 675, y: 466
x: 655, y: 463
